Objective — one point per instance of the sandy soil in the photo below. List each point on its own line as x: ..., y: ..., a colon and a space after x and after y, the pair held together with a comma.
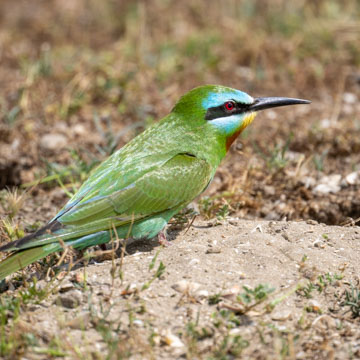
x: 81, y: 78
x: 159, y: 322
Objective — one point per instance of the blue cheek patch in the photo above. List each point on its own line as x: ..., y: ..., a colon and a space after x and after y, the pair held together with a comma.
x: 218, y: 98
x: 229, y: 124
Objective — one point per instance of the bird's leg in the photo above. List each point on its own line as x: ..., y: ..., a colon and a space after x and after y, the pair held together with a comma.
x: 81, y: 255
x: 162, y: 238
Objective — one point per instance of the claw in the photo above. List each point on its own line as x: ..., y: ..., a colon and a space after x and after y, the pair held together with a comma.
x: 162, y: 238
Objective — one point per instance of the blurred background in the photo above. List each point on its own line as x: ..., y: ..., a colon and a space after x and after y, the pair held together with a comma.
x: 80, y: 78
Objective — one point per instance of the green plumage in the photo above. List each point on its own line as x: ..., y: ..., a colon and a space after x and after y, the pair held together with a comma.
x: 141, y: 186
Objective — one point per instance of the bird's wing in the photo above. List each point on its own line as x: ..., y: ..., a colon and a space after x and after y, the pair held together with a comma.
x: 113, y: 176
x: 167, y: 186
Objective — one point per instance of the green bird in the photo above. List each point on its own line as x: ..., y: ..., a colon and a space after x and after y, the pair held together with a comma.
x: 137, y: 190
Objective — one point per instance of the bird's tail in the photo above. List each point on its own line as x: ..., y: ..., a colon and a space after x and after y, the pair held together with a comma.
x: 19, y: 259
x: 49, y: 238
x: 53, y: 236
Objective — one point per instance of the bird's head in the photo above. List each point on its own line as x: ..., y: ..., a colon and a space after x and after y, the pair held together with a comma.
x: 228, y: 110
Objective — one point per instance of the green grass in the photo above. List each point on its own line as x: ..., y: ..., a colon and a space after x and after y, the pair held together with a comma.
x: 275, y: 159
x: 117, y: 67
x: 11, y: 307
x: 320, y: 284
x: 352, y: 301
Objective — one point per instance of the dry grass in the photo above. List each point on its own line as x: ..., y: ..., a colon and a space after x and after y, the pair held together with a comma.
x: 97, y: 73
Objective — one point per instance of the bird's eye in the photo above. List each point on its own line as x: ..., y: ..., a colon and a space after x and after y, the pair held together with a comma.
x: 229, y: 105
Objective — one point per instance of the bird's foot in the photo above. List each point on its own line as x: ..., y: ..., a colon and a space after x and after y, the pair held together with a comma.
x: 162, y: 238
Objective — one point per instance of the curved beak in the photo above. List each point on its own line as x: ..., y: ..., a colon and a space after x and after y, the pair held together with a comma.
x: 270, y: 102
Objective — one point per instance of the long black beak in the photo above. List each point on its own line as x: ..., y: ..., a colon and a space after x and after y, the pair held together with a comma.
x: 270, y: 102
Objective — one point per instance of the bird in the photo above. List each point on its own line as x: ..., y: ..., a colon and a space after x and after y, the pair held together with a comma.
x: 137, y: 190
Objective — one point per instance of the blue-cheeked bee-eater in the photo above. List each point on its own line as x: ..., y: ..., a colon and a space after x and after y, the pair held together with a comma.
x: 137, y: 190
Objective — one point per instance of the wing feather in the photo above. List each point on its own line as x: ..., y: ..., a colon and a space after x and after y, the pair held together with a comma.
x: 170, y: 185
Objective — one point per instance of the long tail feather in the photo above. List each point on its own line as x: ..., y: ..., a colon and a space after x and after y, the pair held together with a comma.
x: 28, y: 239
x: 79, y: 237
x: 55, y: 231
x: 20, y: 259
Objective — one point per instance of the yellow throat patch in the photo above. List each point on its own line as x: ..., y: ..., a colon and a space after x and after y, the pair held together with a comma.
x: 246, y: 122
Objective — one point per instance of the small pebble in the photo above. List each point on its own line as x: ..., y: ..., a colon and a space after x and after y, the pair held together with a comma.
x: 301, y: 355
x: 324, y: 322
x: 138, y: 323
x: 172, y: 340
x: 308, y: 181
x: 53, y: 142
x: 79, y: 129
x: 235, y: 332
x: 81, y: 322
x: 269, y: 190
x: 70, y: 300
x: 314, y: 306
x: 202, y: 294
x: 318, y: 243
x: 232, y: 292
x: 78, y: 277
x: 233, y: 222
x: 66, y: 286
x: 353, y: 178
x: 349, y: 98
x: 186, y: 287
x: 328, y: 184
x: 281, y: 315
x: 213, y: 250
x: 257, y: 228
x: 194, y: 262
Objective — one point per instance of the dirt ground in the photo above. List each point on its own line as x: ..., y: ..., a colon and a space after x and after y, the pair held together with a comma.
x: 193, y: 309
x: 79, y: 79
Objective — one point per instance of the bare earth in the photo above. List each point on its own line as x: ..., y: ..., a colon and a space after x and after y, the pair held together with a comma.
x: 173, y: 319
x: 79, y: 79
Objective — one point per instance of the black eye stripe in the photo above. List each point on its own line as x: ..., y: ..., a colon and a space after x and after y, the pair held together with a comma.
x: 221, y: 111
x: 216, y: 112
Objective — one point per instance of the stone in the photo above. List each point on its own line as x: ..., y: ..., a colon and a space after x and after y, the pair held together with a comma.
x: 314, y: 306
x: 70, y: 300
x: 172, y: 340
x: 194, y: 262
x: 349, y: 98
x: 308, y: 181
x: 328, y: 184
x: 213, y: 250
x: 80, y: 322
x: 51, y: 142
x: 353, y: 178
x: 281, y: 315
x: 186, y: 287
x: 66, y: 286
x: 324, y: 322
x: 269, y: 190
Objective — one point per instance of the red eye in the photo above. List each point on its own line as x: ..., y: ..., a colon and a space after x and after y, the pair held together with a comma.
x: 229, y: 105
